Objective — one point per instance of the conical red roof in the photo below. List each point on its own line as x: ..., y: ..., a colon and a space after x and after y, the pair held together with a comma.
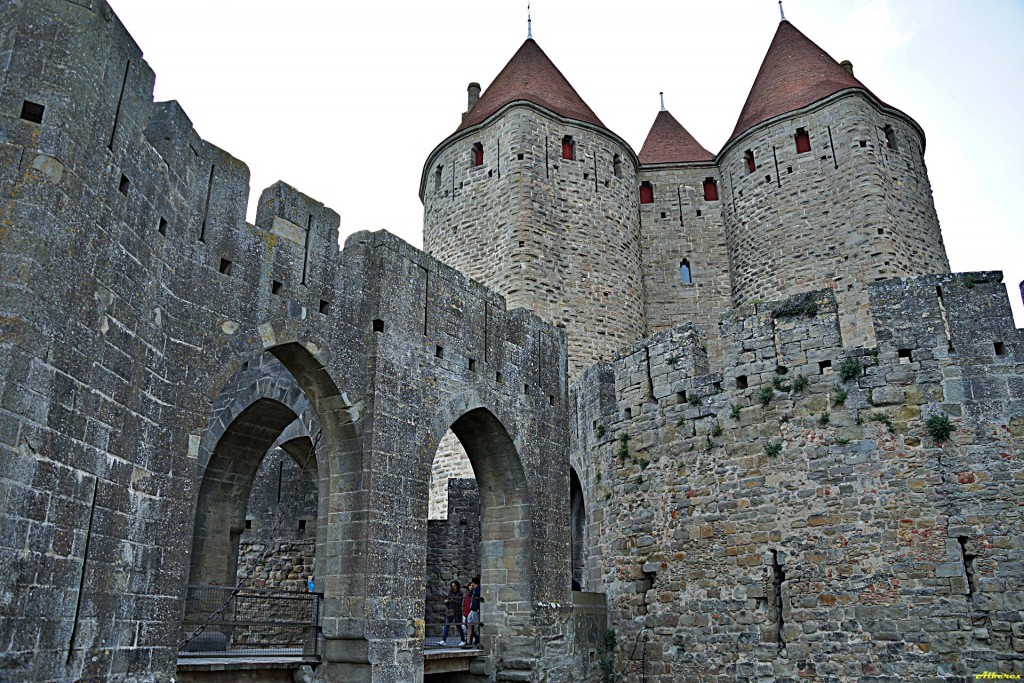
x: 795, y: 73
x: 531, y: 76
x: 668, y: 142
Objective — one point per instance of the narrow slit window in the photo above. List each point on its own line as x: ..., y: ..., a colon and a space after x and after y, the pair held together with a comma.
x: 378, y: 325
x: 225, y: 266
x: 568, y: 148
x: 122, y: 186
x: 325, y: 307
x: 437, y: 177
x: 803, y: 141
x: 162, y: 226
x: 685, y: 274
x: 1000, y: 348
x: 741, y: 382
x: 748, y: 158
x: 617, y: 166
x: 472, y: 364
x: 30, y: 111
x: 477, y: 154
x: 710, y: 190
x: 890, y: 137
x: 276, y: 287
x: 646, y: 193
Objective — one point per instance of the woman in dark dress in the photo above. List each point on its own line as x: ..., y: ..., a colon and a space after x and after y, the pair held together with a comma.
x: 453, y: 614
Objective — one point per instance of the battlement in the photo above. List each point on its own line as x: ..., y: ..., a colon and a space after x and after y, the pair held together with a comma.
x: 828, y: 489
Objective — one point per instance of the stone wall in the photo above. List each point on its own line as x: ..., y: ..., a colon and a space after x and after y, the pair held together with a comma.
x: 282, y: 510
x: 558, y: 237
x: 799, y: 511
x: 133, y: 294
x: 680, y: 224
x: 450, y: 462
x: 846, y: 213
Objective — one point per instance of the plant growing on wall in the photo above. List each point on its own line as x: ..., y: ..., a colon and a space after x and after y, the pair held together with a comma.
x: 939, y: 427
x: 773, y: 448
x: 850, y: 369
x: 765, y: 395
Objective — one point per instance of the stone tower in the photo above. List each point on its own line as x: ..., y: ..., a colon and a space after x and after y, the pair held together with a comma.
x: 825, y: 185
x: 534, y: 197
x: 686, y: 263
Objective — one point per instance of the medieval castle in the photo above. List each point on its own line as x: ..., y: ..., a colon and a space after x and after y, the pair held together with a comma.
x: 738, y: 397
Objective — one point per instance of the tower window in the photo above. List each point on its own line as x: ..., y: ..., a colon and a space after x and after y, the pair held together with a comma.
x: 803, y: 141
x: 568, y: 148
x: 710, y: 190
x: 30, y: 111
x: 617, y: 166
x: 437, y: 177
x: 477, y: 154
x: 685, y: 275
x: 646, y: 193
x: 748, y: 157
x: 890, y: 137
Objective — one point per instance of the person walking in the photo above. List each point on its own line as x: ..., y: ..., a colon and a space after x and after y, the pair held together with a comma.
x: 473, y: 618
x: 453, y: 614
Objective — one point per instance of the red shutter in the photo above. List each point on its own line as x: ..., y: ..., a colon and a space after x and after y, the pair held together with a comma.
x: 803, y: 142
x: 710, y: 191
x: 478, y: 156
x: 567, y: 151
x: 646, y: 194
x: 751, y: 166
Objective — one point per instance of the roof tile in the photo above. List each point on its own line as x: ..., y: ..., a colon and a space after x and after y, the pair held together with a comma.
x: 795, y: 73
x: 531, y: 76
x: 668, y: 142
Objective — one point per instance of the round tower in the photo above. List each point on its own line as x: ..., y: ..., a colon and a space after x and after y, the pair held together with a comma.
x: 534, y: 197
x: 826, y: 185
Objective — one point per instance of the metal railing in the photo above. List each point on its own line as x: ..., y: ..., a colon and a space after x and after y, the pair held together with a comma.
x: 222, y: 621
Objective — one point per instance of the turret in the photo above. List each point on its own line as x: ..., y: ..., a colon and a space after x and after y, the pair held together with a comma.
x: 825, y: 185
x: 534, y: 197
x: 686, y: 263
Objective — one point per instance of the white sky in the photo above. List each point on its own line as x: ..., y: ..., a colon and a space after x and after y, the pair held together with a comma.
x: 344, y: 100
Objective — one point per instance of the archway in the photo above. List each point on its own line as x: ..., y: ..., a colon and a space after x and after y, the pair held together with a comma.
x: 505, y: 520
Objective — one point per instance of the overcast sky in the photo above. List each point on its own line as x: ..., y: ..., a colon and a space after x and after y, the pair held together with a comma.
x: 345, y: 100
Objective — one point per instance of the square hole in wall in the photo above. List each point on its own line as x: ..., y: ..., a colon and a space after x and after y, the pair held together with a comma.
x: 881, y: 231
x: 526, y: 388
x: 681, y: 396
x: 378, y: 325
x: 905, y: 355
x: 325, y: 307
x: 162, y: 226
x: 438, y: 351
x: 662, y: 214
x: 497, y: 377
x: 628, y: 412
x: 302, y: 525
x: 789, y: 169
x: 863, y: 143
x: 522, y: 243
x: 717, y: 386
x: 767, y: 178
x: 248, y: 524
x: 1000, y: 348
x: 698, y: 212
x: 586, y: 176
x: 225, y: 266
x: 122, y: 186
x: 781, y: 369
x: 824, y: 367
x: 472, y: 364
x: 551, y: 399
x: 741, y: 382
x: 595, y: 425
x: 275, y: 287
x: 30, y: 111
x: 520, y: 157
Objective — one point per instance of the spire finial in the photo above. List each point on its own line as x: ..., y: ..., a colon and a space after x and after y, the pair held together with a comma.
x: 662, y: 94
x: 782, y: 14
x: 529, y: 22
